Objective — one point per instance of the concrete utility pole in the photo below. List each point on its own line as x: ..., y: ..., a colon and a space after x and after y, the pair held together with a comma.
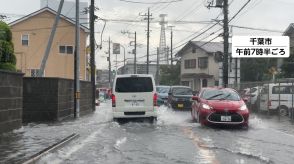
x: 171, y: 45
x: 135, y: 54
x: 135, y: 48
x: 157, y: 67
x: 77, y: 63
x: 224, y: 5
x: 51, y: 37
x: 123, y: 71
x: 92, y: 51
x: 148, y: 35
x: 109, y: 64
x: 226, y: 43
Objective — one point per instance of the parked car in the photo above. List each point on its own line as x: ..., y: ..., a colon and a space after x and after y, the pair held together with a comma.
x: 277, y: 97
x: 180, y: 97
x: 162, y: 93
x: 219, y: 106
x: 134, y: 95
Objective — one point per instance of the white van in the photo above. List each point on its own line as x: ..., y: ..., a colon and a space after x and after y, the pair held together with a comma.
x: 134, y: 95
x: 278, y: 97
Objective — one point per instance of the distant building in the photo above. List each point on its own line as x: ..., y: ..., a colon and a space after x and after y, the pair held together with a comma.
x: 30, y: 36
x: 141, y: 69
x: 102, y: 80
x: 201, y: 65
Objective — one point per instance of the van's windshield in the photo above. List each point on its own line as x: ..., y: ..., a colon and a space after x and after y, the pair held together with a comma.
x: 134, y: 84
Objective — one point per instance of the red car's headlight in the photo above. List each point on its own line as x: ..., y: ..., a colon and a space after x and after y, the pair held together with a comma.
x: 205, y: 106
x: 243, y: 107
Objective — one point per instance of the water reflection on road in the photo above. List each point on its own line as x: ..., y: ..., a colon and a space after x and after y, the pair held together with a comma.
x: 174, y: 138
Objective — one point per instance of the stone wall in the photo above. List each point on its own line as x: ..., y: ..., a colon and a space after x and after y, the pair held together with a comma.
x: 10, y: 100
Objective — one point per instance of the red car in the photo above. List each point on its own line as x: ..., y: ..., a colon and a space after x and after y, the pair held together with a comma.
x: 219, y: 106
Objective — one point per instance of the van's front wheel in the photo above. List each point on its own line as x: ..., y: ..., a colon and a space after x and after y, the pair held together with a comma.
x: 283, y: 111
x: 152, y: 119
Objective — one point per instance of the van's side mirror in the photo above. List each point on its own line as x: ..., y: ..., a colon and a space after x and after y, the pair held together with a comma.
x: 169, y: 93
x: 196, y: 98
x: 245, y: 99
x: 194, y: 93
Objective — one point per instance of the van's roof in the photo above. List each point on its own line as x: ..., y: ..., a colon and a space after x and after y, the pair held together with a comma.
x: 134, y: 75
x: 277, y: 84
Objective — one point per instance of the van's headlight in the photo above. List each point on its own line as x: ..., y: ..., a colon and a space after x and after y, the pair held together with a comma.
x: 205, y: 106
x: 243, y: 107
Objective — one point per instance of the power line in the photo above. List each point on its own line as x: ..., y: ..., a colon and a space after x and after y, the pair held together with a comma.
x: 141, y: 2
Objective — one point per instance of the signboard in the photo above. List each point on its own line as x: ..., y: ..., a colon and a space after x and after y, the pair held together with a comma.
x: 260, y: 47
x: 116, y: 48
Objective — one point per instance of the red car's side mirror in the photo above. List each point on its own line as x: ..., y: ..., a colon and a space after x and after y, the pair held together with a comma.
x: 196, y: 98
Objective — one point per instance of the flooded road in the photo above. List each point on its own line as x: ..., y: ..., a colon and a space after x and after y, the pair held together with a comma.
x: 172, y: 139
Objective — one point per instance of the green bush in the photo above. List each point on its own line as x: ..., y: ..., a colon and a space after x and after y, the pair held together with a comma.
x: 5, y: 33
x: 7, y: 67
x: 6, y: 52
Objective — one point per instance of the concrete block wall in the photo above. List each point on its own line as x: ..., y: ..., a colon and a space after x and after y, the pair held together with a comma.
x: 10, y: 100
x: 51, y: 99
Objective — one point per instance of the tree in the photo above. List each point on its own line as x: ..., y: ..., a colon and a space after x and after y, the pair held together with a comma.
x: 7, y: 57
x: 255, y: 69
x: 170, y: 75
x: 287, y: 69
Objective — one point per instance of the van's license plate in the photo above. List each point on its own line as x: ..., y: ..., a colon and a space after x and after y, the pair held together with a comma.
x: 226, y: 118
x: 180, y: 105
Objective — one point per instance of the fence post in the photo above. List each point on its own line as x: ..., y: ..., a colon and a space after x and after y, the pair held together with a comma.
x: 279, y: 106
x: 292, y: 90
x: 268, y: 99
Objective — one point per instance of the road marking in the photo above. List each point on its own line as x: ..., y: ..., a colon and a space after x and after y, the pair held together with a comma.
x: 206, y: 155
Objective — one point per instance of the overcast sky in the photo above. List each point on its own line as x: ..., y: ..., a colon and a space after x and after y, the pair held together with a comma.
x: 265, y: 14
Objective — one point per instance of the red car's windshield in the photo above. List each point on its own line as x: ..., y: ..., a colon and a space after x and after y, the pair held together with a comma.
x: 220, y: 94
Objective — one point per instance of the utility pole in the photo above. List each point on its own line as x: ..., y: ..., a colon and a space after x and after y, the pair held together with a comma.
x: 109, y: 64
x: 226, y: 43
x: 123, y: 71
x: 224, y: 5
x: 77, y: 63
x: 135, y: 54
x: 92, y: 51
x: 157, y: 67
x: 148, y: 35
x: 171, y: 45
x: 135, y: 48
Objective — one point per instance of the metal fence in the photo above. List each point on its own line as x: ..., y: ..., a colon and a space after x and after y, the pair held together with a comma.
x: 269, y: 97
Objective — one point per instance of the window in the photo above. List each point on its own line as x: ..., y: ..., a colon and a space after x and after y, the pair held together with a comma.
x: 182, y: 91
x: 134, y: 84
x: 283, y: 90
x: 193, y: 50
x: 35, y: 72
x: 66, y: 49
x: 69, y: 49
x: 25, y: 40
x: 202, y: 62
x: 191, y: 63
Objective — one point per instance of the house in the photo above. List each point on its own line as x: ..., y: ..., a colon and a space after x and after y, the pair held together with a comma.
x: 30, y: 36
x: 288, y: 32
x: 201, y: 65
